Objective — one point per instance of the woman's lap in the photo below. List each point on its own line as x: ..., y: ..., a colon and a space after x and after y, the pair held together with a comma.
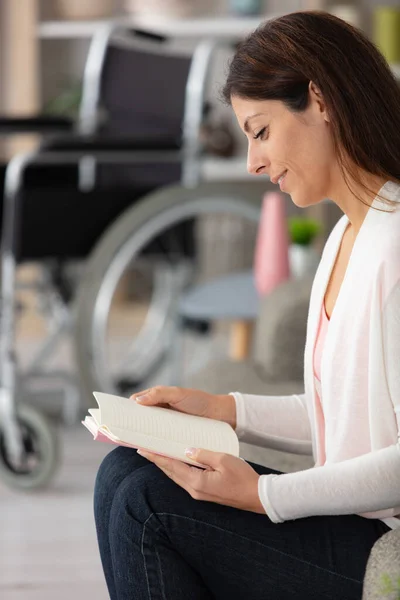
x: 234, y: 552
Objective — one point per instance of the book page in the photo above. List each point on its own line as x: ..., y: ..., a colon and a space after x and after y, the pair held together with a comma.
x: 161, y: 447
x: 96, y: 415
x: 127, y: 417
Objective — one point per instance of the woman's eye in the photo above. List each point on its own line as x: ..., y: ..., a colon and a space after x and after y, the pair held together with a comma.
x: 260, y: 134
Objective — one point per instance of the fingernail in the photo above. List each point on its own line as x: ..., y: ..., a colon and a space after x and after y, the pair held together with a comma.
x: 142, y: 398
x: 140, y: 452
x: 190, y: 451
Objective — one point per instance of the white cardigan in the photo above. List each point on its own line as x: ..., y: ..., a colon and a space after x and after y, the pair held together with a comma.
x: 360, y: 378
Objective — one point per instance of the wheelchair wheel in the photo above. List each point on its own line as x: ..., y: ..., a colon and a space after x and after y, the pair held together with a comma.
x: 41, y: 452
x: 123, y: 246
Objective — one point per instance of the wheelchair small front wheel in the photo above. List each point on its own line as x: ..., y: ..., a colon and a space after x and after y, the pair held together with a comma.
x: 41, y: 452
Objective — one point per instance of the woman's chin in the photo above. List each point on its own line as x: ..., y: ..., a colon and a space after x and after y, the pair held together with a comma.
x: 302, y: 201
x: 298, y: 200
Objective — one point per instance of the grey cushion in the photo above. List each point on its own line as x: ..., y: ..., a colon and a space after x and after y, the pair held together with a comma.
x: 280, y: 333
x: 286, y: 462
x: 382, y: 577
x: 222, y: 376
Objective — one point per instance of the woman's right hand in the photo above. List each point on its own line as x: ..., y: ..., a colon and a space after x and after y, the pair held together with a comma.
x: 192, y: 402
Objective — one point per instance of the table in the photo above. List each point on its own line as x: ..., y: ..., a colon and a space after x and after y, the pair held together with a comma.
x: 232, y: 297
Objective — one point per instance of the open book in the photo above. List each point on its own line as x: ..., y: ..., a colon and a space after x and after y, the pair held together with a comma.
x: 164, y: 431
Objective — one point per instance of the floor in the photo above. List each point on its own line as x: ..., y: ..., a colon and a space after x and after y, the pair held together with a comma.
x: 48, y: 545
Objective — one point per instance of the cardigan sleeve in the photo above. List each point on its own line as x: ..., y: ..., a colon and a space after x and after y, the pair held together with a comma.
x: 363, y: 484
x: 277, y: 422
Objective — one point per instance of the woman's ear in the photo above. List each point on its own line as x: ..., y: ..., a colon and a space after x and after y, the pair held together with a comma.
x: 317, y: 97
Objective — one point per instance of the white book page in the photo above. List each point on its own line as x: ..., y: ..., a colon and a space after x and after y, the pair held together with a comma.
x: 96, y: 415
x: 131, y: 423
x: 90, y: 424
x: 164, y: 447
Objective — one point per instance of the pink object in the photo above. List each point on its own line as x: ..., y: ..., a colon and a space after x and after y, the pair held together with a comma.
x: 319, y: 344
x: 317, y: 360
x: 271, y: 259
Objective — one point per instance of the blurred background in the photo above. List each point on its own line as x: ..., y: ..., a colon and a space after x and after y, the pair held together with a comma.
x: 133, y: 252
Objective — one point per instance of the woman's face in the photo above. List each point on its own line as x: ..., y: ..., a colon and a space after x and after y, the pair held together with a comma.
x: 299, y: 144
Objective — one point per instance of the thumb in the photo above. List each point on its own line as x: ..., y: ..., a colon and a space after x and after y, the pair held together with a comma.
x: 206, y: 457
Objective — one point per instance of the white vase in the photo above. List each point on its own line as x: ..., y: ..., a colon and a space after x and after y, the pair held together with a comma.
x: 85, y: 9
x: 303, y: 260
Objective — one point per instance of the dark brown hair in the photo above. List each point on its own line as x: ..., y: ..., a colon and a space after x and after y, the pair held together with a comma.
x: 279, y: 59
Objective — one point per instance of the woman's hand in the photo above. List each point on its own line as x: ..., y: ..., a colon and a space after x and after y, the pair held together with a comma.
x: 189, y: 401
x: 230, y: 480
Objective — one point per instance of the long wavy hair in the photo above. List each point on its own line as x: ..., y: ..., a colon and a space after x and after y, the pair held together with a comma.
x: 279, y: 59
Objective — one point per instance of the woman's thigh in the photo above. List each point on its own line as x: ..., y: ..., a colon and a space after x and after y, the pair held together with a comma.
x: 239, y: 553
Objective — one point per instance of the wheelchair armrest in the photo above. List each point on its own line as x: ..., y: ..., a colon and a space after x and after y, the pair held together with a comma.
x: 37, y: 124
x: 99, y: 142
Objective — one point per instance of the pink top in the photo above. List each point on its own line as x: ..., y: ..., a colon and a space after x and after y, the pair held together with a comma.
x: 319, y: 346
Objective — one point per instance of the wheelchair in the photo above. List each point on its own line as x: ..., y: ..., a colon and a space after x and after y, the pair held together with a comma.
x: 120, y: 193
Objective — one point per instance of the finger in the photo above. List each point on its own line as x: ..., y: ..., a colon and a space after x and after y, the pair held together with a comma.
x: 200, y: 484
x: 142, y: 393
x: 179, y: 470
x: 207, y: 457
x: 158, y: 395
x: 164, y: 461
x: 175, y: 474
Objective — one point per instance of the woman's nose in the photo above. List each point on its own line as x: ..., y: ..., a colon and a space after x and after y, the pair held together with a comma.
x: 256, y: 164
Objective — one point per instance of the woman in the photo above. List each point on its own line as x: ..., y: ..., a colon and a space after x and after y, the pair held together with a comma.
x: 321, y: 111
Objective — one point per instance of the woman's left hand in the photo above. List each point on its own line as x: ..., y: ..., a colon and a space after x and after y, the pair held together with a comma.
x: 230, y: 480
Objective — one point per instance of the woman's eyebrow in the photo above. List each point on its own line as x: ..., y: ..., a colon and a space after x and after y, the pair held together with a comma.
x: 246, y: 123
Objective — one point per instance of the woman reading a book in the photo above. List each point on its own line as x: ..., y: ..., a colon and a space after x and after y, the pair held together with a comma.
x: 320, y: 109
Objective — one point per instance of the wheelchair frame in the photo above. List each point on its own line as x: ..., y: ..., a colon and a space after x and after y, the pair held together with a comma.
x: 86, y: 160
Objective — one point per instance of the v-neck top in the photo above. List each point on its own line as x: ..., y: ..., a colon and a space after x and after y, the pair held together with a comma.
x: 319, y: 346
x: 317, y: 360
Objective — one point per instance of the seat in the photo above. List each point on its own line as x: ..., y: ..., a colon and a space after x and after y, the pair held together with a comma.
x: 382, y: 575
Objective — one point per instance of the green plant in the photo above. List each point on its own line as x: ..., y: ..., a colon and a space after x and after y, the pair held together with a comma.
x: 303, y: 231
x: 389, y: 586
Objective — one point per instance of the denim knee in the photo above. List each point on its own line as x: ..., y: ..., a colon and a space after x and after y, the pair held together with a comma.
x: 116, y: 465
x: 148, y: 491
x: 135, y: 495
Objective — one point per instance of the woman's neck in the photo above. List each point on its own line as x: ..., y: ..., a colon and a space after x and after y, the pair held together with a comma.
x: 350, y: 204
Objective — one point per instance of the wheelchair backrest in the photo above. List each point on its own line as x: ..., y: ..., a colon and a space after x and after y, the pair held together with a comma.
x: 134, y: 86
x: 143, y: 93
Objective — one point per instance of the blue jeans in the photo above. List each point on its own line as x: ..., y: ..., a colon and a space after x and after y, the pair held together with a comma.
x: 157, y: 543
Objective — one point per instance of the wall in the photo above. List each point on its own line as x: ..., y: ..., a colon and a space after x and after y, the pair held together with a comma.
x: 19, y: 66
